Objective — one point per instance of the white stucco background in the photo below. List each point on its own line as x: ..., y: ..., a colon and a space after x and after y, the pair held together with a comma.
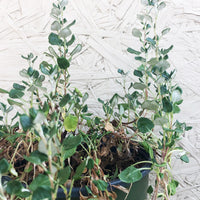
x: 104, y: 28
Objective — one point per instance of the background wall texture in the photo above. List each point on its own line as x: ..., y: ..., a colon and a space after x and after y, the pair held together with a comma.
x: 104, y: 28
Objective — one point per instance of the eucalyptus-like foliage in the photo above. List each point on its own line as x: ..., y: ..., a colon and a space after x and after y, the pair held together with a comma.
x: 146, y: 110
x: 53, y: 128
x: 48, y: 118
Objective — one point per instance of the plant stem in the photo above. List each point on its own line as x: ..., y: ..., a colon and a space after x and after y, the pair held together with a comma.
x: 128, y: 191
x: 155, y: 194
x: 70, y: 190
x: 15, y: 151
x: 141, y: 162
x: 65, y: 85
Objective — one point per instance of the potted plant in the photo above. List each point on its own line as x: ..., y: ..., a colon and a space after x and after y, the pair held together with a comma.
x: 52, y: 146
x: 145, y: 111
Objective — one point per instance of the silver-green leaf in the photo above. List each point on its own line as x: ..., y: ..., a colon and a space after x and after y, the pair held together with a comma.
x: 65, y: 32
x: 136, y: 33
x: 55, y: 26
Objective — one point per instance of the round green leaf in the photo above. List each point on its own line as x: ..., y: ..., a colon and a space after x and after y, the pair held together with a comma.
x: 42, y: 193
x: 24, y: 193
x: 185, y: 158
x: 63, y: 63
x: 70, y: 123
x: 150, y: 105
x: 65, y: 99
x: 136, y: 33
x: 161, y: 5
x: 15, y: 94
x: 68, y: 153
x: 176, y: 96
x: 90, y: 164
x: 64, y: 174
x: 65, y: 32
x: 54, y: 39
x: 24, y: 73
x: 55, y: 26
x: 138, y: 73
x: 144, y: 125
x: 14, y: 187
x: 79, y: 170
x: 44, y: 67
x: 160, y: 121
x: 63, y: 3
x: 71, y: 142
x: 176, y: 109
x: 36, y: 157
x: 161, y: 66
x: 151, y: 41
x: 150, y: 190
x: 167, y: 105
x: 4, y: 166
x: 55, y: 11
x: 172, y: 185
x: 40, y: 180
x: 26, y: 122
x: 130, y: 175
x: 18, y: 86
x: 139, y: 86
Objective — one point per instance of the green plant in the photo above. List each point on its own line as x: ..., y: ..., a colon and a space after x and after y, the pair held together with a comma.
x: 145, y: 112
x: 43, y: 134
x: 53, y: 142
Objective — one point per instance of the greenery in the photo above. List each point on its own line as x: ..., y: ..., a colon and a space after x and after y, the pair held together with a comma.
x: 54, y: 142
x: 146, y: 109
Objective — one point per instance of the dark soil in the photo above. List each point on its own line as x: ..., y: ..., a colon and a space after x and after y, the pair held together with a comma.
x: 115, y: 153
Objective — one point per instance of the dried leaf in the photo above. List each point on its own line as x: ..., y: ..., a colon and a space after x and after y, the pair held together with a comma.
x: 104, y: 151
x: 94, y: 189
x: 40, y: 169
x: 82, y: 197
x: 85, y: 170
x: 94, y: 175
x: 109, y: 127
x: 123, y: 189
x: 113, y: 195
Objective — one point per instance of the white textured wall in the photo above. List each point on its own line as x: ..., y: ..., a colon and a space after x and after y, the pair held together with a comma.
x: 104, y: 28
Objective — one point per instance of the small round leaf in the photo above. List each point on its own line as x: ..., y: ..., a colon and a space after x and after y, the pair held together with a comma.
x: 70, y: 123
x: 55, y: 26
x: 63, y: 63
x: 65, y: 32
x: 55, y: 11
x: 130, y: 175
x: 4, y: 166
x: 14, y: 187
x: 63, y: 3
x: 136, y: 33
x: 144, y: 125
